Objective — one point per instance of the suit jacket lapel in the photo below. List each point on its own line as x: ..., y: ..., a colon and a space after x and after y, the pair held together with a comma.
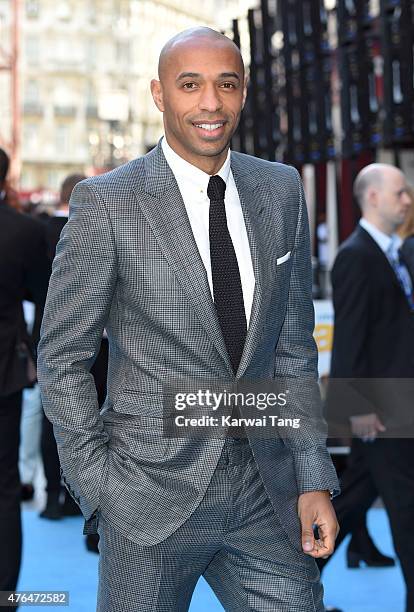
x: 251, y: 200
x: 162, y: 204
x: 387, y: 267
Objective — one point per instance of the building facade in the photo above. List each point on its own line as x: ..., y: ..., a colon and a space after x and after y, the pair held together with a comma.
x: 84, y: 72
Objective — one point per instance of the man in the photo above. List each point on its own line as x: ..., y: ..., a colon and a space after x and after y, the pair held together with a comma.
x: 136, y: 257
x: 24, y: 274
x: 373, y: 362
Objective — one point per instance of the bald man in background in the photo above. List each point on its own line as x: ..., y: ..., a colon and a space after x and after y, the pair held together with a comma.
x: 196, y: 260
x: 372, y: 367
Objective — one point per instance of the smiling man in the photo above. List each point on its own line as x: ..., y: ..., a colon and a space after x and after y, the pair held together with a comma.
x: 196, y: 261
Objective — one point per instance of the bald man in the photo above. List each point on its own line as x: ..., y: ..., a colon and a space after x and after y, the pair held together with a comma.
x: 373, y: 350
x: 196, y: 260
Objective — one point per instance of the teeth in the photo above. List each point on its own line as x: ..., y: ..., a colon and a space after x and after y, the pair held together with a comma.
x: 209, y: 126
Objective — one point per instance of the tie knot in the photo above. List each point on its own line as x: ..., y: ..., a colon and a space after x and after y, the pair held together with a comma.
x: 393, y: 250
x: 216, y: 188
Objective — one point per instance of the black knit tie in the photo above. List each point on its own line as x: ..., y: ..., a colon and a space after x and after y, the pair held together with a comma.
x: 227, y: 287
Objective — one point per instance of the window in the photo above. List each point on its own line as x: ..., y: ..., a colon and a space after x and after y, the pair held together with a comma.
x: 32, y: 92
x: 32, y: 9
x: 62, y: 138
x: 31, y: 137
x: 123, y: 52
x: 32, y: 50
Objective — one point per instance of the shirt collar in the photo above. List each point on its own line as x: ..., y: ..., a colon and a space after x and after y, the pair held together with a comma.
x: 186, y: 172
x: 386, y: 243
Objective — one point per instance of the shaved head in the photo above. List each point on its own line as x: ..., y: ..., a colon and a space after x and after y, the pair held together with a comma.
x: 381, y: 192
x: 370, y: 176
x: 193, y: 37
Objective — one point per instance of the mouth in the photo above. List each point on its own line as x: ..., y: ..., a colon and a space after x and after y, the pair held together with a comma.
x: 210, y: 129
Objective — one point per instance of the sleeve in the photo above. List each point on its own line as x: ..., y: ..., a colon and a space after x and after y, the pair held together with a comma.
x: 79, y: 298
x: 296, y: 364
x: 349, y: 385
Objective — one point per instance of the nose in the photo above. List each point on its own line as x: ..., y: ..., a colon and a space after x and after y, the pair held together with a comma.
x: 210, y: 100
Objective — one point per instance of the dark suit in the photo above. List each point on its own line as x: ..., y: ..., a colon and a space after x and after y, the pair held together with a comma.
x: 24, y: 272
x: 373, y: 349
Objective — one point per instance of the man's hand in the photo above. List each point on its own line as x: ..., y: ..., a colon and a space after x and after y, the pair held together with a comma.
x: 366, y: 426
x: 315, y: 508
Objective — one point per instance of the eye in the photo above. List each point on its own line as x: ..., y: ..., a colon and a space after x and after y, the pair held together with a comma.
x: 228, y: 85
x: 189, y: 85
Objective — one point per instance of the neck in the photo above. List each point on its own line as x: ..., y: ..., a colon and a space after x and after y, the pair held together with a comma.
x: 209, y: 165
x: 380, y: 224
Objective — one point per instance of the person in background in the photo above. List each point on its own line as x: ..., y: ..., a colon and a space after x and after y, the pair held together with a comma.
x: 372, y: 368
x: 24, y: 274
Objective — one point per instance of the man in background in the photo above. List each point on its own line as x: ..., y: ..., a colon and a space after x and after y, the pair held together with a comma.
x: 24, y: 275
x: 372, y: 366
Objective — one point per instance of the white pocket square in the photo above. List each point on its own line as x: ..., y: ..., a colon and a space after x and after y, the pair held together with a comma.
x: 283, y: 259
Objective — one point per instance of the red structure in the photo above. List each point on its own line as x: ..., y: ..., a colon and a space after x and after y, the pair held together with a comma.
x: 9, y: 59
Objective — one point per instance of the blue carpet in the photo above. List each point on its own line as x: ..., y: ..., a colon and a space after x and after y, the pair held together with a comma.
x: 70, y: 567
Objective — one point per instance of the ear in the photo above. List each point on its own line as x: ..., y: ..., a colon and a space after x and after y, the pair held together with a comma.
x: 246, y: 82
x: 372, y: 196
x: 156, y: 91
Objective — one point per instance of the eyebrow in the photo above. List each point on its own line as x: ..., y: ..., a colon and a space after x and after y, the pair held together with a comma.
x: 195, y: 75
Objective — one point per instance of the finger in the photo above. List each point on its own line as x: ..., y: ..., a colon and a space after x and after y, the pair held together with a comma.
x: 380, y: 426
x: 327, y: 537
x: 308, y: 539
x: 320, y: 551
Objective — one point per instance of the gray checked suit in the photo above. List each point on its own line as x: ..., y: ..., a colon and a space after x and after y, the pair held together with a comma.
x: 127, y: 261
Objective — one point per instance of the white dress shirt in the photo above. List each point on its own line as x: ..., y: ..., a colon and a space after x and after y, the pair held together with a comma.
x: 383, y: 240
x: 192, y: 183
x: 390, y: 245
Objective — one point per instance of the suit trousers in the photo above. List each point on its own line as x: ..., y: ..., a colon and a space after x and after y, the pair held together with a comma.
x: 10, y: 491
x: 391, y: 464
x: 233, y: 538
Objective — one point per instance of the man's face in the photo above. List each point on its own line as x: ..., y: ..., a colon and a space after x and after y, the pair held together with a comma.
x: 201, y: 94
x: 393, y: 201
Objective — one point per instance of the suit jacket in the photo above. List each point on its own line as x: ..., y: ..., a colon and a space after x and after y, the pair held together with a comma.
x: 407, y: 254
x: 24, y: 274
x: 373, y: 346
x: 128, y: 261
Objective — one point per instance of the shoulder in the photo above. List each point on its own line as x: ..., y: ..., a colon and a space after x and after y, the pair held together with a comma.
x: 115, y: 182
x: 356, y: 254
x: 265, y: 169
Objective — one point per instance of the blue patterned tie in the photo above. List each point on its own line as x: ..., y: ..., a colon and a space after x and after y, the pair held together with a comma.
x: 401, y: 273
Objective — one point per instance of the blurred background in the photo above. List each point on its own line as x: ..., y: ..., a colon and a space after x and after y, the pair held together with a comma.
x: 330, y: 91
